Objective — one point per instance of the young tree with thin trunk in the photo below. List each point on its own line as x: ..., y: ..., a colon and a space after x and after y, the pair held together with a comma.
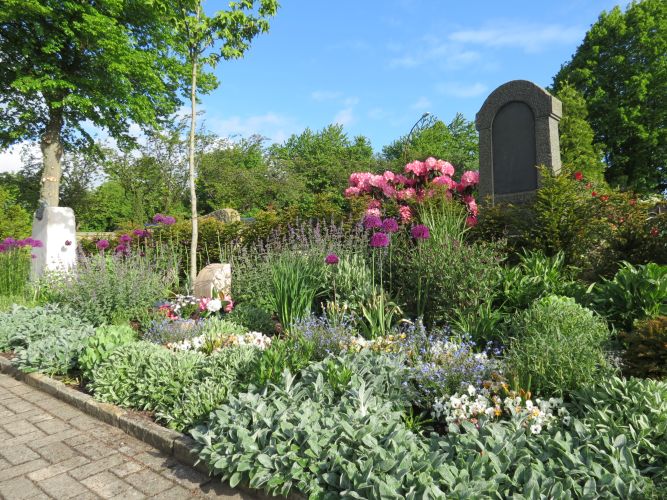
x: 204, y: 41
x: 67, y: 64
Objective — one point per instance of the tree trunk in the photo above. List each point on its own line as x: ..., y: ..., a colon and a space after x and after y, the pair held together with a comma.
x: 52, y: 153
x: 193, y: 192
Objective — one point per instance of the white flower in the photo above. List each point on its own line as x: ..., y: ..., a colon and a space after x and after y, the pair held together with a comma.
x: 490, y: 411
x: 536, y: 428
x: 214, y: 305
x: 529, y: 404
x: 566, y: 420
x: 471, y: 390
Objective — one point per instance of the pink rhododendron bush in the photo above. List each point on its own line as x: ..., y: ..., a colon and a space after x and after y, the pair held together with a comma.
x: 400, y: 193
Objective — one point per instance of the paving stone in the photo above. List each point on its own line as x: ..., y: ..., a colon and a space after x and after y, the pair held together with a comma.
x: 148, y: 482
x: 125, y: 468
x: 107, y: 485
x: 18, y: 488
x: 59, y: 468
x: 54, y: 438
x: 19, y: 427
x: 83, y: 422
x: 18, y: 454
x: 62, y: 486
x: 175, y: 493
x: 40, y: 417
x: 40, y: 496
x: 94, y: 449
x: 53, y: 426
x: 21, y: 406
x: 24, y: 438
x: 97, y: 466
x: 76, y: 440
x: 19, y: 470
x: 55, y: 452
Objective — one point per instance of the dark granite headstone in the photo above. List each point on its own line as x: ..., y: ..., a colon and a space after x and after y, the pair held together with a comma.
x: 518, y: 130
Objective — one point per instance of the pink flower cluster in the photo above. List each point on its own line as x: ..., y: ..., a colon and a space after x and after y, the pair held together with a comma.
x: 419, y: 180
x: 11, y: 243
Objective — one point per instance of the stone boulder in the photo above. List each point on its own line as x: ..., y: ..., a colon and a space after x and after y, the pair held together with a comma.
x: 226, y: 215
x: 214, y: 278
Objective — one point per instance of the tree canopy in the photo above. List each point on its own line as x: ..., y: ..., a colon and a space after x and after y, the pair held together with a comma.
x: 578, y: 150
x: 69, y: 64
x: 456, y: 143
x: 621, y: 70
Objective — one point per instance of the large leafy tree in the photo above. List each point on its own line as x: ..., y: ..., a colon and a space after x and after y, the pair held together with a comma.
x: 65, y: 64
x: 203, y: 41
x: 621, y: 70
x: 456, y: 142
x: 578, y: 150
x: 322, y: 160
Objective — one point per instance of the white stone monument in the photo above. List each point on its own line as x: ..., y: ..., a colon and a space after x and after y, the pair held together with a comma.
x: 56, y: 229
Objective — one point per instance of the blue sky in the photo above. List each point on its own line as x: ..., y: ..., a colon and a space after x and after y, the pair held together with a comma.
x: 375, y: 66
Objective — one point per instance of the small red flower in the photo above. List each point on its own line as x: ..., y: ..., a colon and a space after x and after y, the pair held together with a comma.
x: 594, y: 194
x: 604, y: 197
x: 654, y: 231
x: 632, y: 202
x: 578, y: 176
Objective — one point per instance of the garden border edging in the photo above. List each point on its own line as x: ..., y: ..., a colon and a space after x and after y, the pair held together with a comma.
x: 173, y: 443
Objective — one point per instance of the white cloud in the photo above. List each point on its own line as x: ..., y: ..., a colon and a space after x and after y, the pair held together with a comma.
x: 528, y: 37
x: 344, y: 117
x: 422, y: 104
x: 274, y: 126
x: 431, y: 50
x: 325, y: 95
x: 461, y: 90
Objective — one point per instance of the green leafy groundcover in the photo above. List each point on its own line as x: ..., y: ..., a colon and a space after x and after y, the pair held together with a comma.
x: 353, y: 443
x: 47, y: 339
x: 180, y: 387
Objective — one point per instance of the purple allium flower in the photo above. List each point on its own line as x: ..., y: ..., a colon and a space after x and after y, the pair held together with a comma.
x: 167, y: 220
x: 141, y: 233
x: 125, y: 238
x: 372, y: 222
x: 3, y: 248
x: 122, y: 249
x: 420, y: 232
x: 379, y: 240
x: 36, y: 243
x: 331, y: 259
x: 390, y: 225
x: 10, y: 242
x: 68, y: 243
x: 102, y: 244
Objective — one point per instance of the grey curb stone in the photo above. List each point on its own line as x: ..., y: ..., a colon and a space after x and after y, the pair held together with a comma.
x: 180, y: 446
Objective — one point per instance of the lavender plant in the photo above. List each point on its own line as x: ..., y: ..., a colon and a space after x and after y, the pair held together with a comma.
x: 115, y: 288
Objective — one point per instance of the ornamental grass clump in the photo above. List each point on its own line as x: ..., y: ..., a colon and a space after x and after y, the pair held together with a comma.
x: 556, y: 346
x: 297, y: 281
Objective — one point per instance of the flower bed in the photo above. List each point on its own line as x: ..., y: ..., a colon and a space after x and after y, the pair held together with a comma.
x: 393, y: 359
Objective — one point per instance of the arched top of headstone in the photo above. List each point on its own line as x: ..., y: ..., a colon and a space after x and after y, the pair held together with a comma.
x: 541, y: 102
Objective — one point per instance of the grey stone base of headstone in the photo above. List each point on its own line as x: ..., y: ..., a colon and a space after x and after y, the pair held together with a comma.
x: 56, y: 229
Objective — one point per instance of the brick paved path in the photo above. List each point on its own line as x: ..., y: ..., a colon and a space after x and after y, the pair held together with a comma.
x: 49, y: 449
